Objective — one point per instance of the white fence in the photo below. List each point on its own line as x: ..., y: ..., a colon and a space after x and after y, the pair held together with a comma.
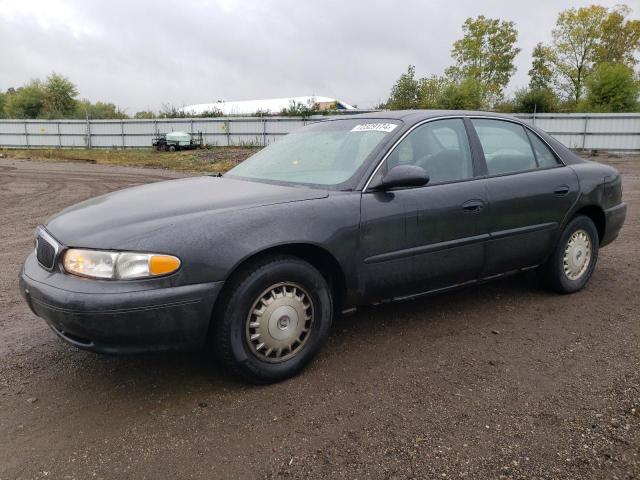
x: 593, y: 131
x: 578, y: 131
x: 140, y: 133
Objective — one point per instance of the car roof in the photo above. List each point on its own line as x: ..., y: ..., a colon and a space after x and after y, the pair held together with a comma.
x: 413, y: 116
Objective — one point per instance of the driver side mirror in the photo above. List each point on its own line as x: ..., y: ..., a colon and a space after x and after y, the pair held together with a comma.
x: 401, y: 176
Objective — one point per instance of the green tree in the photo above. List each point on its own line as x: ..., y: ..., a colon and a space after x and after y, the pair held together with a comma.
x: 505, y: 106
x: 464, y: 95
x: 538, y: 100
x: 431, y: 90
x: 619, y: 38
x: 59, y: 97
x: 145, y: 114
x: 612, y: 87
x: 98, y: 110
x: 541, y: 72
x: 485, y: 53
x: 405, y: 94
x: 585, y: 37
x: 575, y: 39
x: 26, y: 101
x: 3, y: 99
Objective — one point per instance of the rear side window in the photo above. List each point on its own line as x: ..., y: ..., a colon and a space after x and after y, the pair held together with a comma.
x: 506, y: 146
x: 440, y: 147
x: 545, y: 157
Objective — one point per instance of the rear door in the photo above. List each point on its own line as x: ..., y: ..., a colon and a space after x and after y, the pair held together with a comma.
x: 529, y: 192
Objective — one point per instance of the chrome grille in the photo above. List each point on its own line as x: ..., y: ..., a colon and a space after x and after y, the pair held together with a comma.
x: 46, y: 249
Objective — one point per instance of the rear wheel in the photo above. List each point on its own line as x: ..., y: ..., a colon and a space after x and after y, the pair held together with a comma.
x: 172, y: 148
x: 273, y: 317
x: 570, y: 266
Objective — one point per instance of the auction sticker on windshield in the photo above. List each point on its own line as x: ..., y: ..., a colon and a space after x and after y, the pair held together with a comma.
x: 374, y: 127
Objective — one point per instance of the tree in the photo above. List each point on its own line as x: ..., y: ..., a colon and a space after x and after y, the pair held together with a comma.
x: 3, y: 99
x: 541, y: 72
x: 575, y: 38
x: 98, y: 110
x: 405, y: 94
x: 26, y: 101
x: 612, y: 87
x: 145, y: 114
x: 431, y: 90
x: 586, y: 37
x: 59, y: 97
x: 532, y: 100
x: 619, y: 38
x: 485, y: 53
x: 464, y: 95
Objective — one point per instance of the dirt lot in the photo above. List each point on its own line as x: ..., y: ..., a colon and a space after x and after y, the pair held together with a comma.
x: 503, y: 380
x: 207, y: 160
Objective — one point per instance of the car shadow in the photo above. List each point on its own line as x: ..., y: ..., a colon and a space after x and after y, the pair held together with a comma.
x: 428, y: 306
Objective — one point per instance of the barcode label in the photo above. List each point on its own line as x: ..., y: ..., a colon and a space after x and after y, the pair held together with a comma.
x: 374, y: 127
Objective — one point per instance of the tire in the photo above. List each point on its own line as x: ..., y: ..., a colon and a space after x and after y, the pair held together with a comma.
x: 566, y: 271
x: 296, y: 290
x: 172, y: 148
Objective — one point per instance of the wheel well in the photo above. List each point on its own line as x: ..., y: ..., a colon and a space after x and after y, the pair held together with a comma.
x: 597, y: 217
x: 321, y: 259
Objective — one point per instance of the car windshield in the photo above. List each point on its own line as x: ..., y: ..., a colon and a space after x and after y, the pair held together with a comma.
x: 324, y: 153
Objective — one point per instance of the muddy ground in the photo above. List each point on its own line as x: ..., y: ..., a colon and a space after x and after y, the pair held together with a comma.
x: 503, y: 380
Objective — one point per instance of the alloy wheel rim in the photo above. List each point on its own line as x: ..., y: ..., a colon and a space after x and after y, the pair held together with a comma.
x: 279, y: 322
x: 577, y: 255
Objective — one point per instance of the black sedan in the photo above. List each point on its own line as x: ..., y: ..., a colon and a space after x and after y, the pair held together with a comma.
x: 341, y: 213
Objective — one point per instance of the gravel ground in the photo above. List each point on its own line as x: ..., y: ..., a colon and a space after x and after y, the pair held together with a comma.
x: 503, y: 380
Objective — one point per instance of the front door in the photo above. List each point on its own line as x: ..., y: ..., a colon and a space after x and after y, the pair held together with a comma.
x: 420, y: 239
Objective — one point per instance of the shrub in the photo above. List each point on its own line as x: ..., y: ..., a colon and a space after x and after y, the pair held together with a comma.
x: 465, y: 95
x: 538, y: 100
x: 25, y: 102
x: 612, y: 87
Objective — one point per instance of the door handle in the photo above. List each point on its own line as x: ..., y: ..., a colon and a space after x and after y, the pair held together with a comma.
x: 561, y: 191
x: 473, y: 206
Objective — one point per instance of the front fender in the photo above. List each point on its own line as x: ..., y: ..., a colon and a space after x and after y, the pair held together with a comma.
x: 213, y: 246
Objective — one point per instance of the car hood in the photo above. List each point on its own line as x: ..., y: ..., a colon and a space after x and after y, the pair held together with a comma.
x: 95, y: 222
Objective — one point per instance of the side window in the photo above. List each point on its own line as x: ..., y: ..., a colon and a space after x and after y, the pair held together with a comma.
x: 506, y: 146
x: 440, y: 147
x: 545, y: 157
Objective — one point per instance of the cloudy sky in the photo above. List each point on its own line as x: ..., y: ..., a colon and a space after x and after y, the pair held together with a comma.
x: 143, y: 54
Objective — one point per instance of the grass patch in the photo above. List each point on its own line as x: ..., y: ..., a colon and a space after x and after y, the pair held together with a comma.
x: 209, y: 160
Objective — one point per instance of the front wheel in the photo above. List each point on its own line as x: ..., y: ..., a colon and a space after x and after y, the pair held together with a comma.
x: 570, y: 266
x: 274, y: 316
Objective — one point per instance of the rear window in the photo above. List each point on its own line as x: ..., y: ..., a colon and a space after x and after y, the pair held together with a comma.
x: 505, y: 145
x: 545, y: 157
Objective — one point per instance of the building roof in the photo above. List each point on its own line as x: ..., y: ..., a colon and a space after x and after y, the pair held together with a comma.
x: 271, y: 105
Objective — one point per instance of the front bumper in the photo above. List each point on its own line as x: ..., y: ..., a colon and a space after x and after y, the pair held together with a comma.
x: 120, y: 317
x: 614, y: 219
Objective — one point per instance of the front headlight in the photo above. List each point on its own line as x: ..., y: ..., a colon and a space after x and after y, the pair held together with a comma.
x: 118, y: 265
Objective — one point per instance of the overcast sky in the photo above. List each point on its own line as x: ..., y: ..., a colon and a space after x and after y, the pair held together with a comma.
x: 143, y: 54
